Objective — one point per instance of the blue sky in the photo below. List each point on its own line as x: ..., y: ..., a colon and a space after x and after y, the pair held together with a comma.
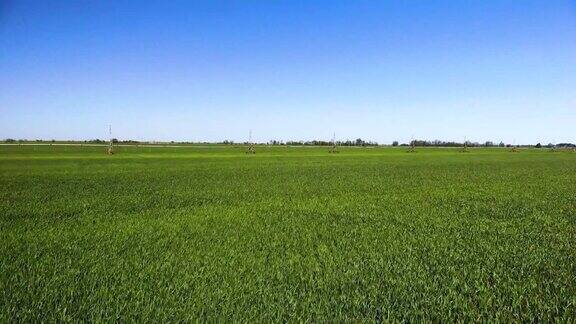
x: 289, y: 70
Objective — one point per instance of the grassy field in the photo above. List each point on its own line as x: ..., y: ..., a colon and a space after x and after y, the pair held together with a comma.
x: 289, y: 234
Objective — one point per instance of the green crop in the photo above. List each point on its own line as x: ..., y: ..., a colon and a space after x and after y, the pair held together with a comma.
x: 288, y: 234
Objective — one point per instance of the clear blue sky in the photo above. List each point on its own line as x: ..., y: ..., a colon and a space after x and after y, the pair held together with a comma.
x: 212, y: 70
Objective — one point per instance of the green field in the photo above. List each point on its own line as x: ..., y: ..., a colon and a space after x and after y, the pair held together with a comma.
x: 289, y: 234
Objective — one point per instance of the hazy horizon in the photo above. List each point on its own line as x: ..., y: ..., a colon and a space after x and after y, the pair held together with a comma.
x: 210, y: 71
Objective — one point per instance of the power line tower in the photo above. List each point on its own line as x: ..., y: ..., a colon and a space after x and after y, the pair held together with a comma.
x: 465, y: 145
x: 110, y: 149
x: 412, y: 147
x: 251, y: 149
x: 552, y: 145
x: 333, y: 148
x: 514, y: 148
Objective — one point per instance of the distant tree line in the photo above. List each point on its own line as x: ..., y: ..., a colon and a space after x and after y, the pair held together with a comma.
x: 439, y: 143
x: 356, y: 142
x: 11, y: 140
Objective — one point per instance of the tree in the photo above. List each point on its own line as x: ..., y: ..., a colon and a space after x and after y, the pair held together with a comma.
x: 395, y: 143
x: 538, y: 145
